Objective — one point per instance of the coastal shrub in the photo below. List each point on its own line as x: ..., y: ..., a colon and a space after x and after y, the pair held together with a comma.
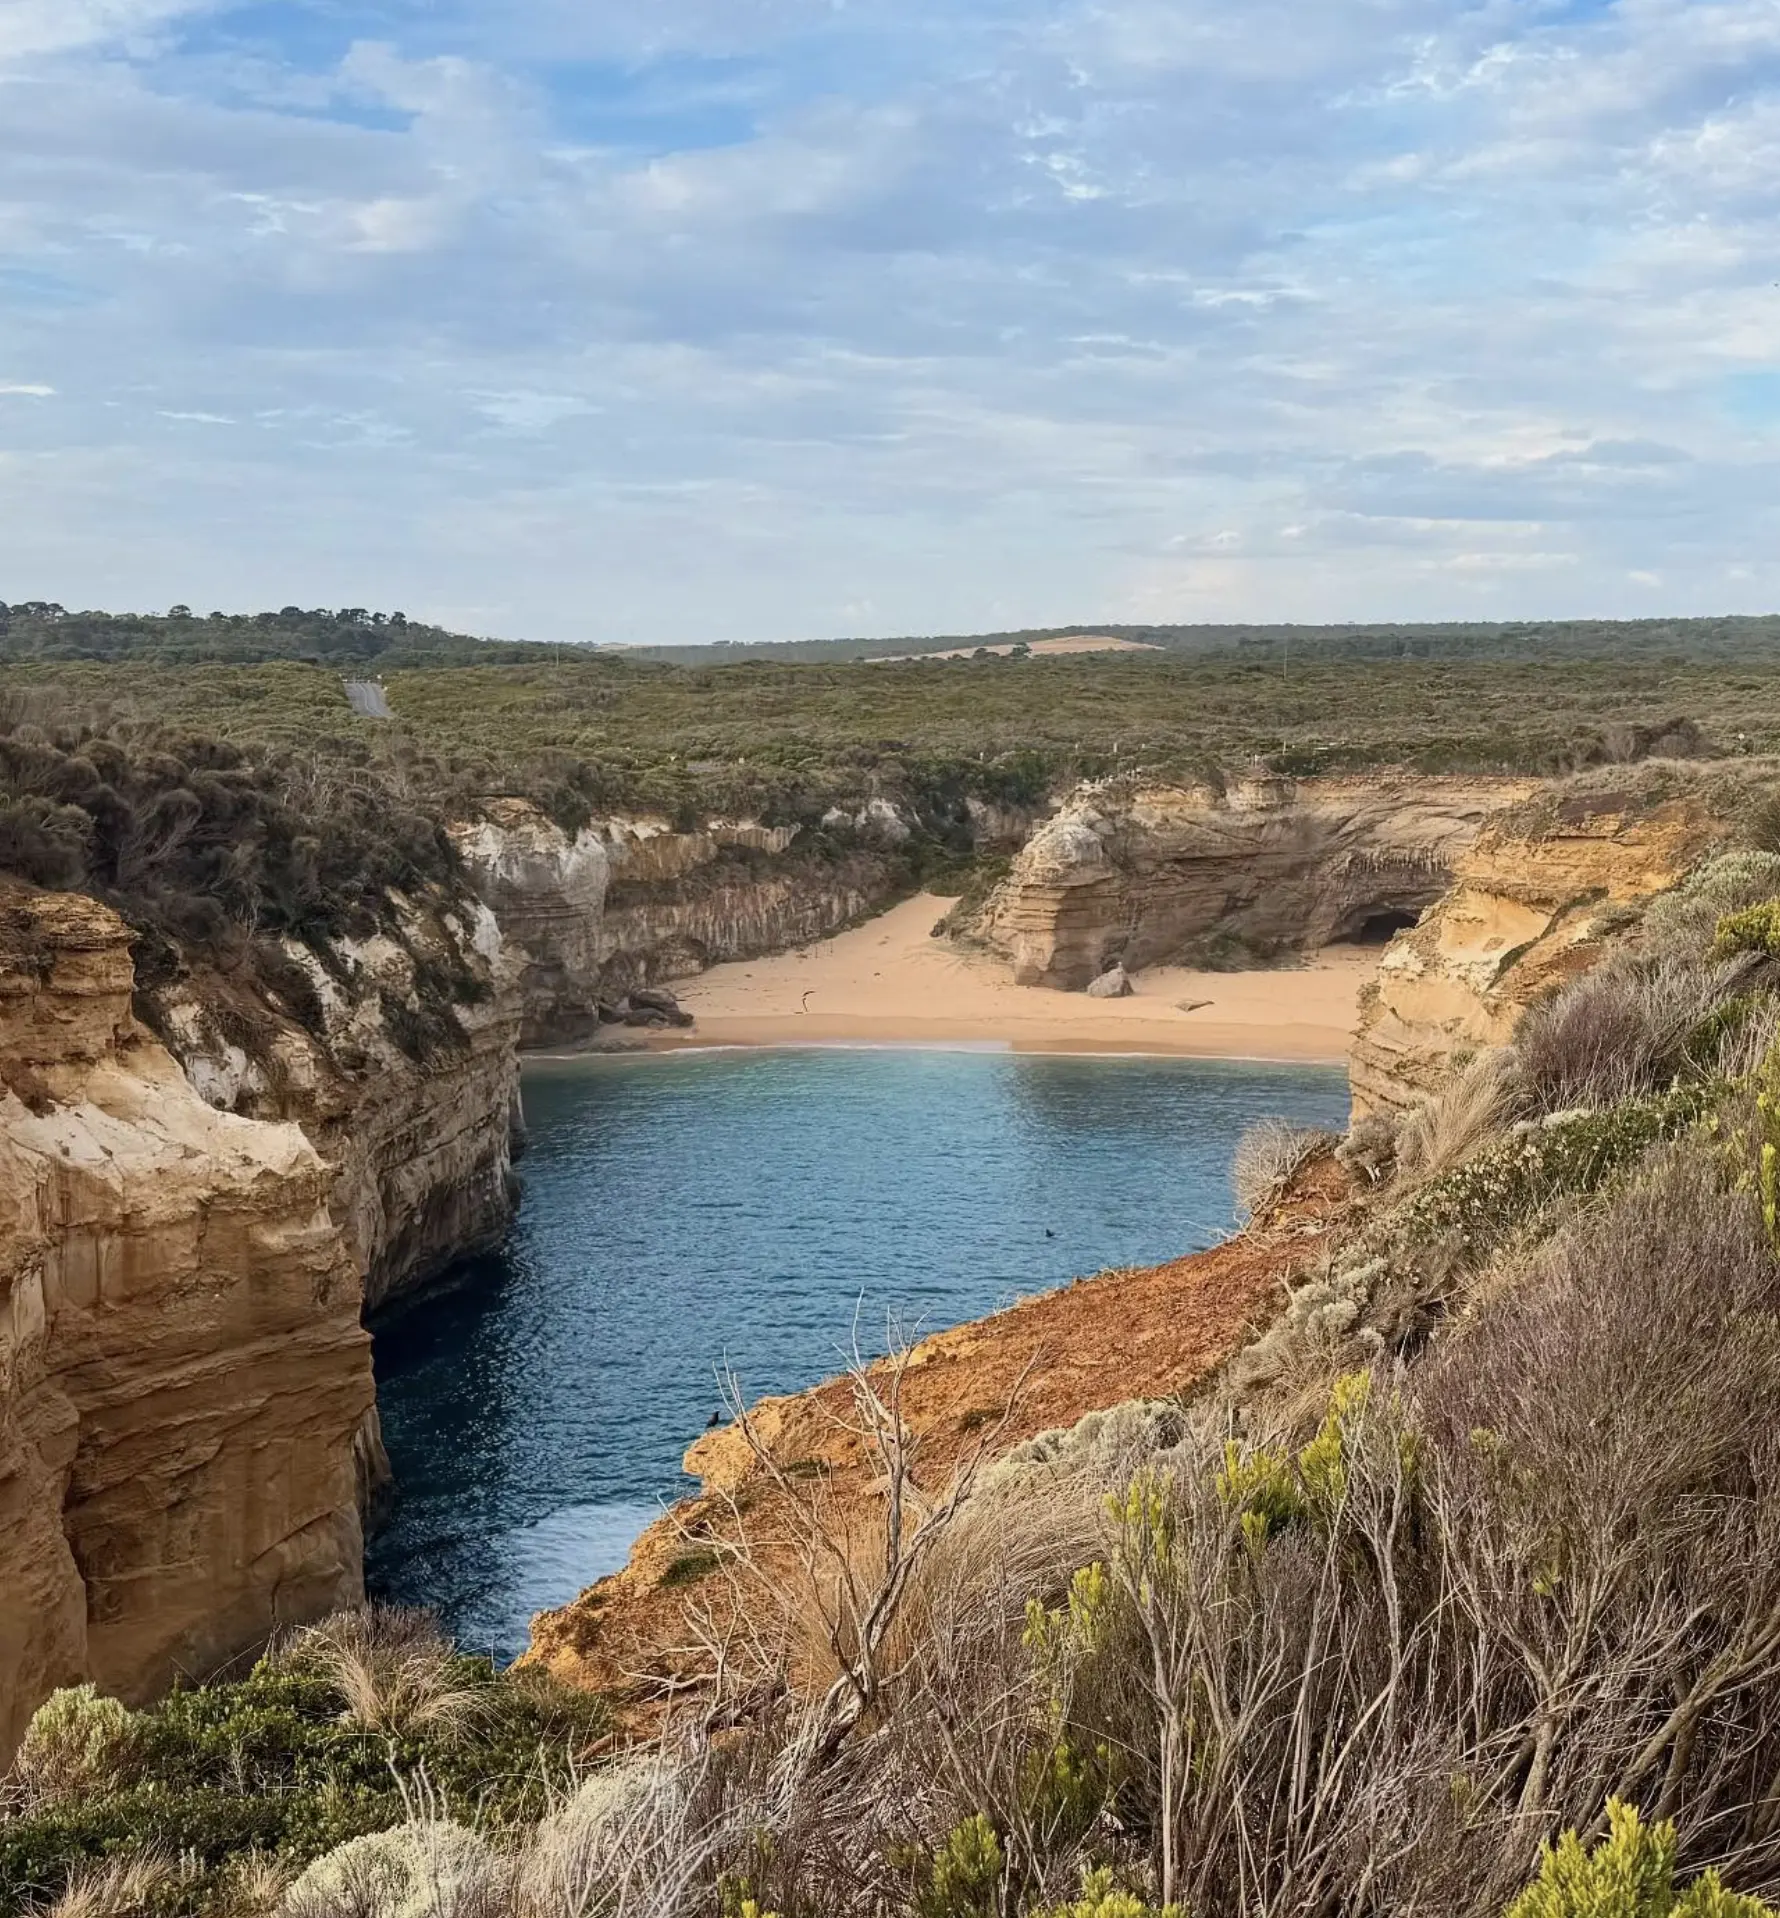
x: 964, y: 1879
x: 1536, y: 1160
x: 77, y: 1743
x: 430, y: 1868
x: 1369, y: 1151
x: 1623, y: 1031
x: 1755, y: 930
x: 1584, y: 1464
x: 281, y: 1766
x: 1682, y: 923
x: 627, y: 1831
x: 1103, y: 1897
x: 1267, y: 1157
x: 1629, y: 1874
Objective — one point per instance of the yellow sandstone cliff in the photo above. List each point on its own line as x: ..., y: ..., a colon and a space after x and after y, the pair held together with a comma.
x: 187, y: 1411
x: 1154, y: 873
x: 1535, y: 901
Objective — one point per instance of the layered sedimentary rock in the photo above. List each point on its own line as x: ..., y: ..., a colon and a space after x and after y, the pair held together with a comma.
x: 399, y: 1059
x: 629, y: 901
x: 1148, y: 873
x: 1536, y: 900
x: 186, y: 1403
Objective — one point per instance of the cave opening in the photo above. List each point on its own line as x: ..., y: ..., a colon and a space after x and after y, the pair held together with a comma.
x: 1381, y: 927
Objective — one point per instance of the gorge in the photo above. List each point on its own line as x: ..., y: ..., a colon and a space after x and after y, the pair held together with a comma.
x: 210, y: 1178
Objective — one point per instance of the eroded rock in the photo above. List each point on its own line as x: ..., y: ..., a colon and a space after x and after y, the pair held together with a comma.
x: 1163, y: 874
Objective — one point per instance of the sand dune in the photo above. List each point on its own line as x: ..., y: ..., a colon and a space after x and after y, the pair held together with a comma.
x: 889, y: 981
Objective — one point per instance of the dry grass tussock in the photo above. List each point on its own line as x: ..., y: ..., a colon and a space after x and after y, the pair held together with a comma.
x: 114, y: 1888
x: 1448, y: 1126
x: 394, y: 1669
x: 1268, y: 1155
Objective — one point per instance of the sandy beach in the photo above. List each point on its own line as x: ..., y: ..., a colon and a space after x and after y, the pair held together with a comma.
x: 889, y: 981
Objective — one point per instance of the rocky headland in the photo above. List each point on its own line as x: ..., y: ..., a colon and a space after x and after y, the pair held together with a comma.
x: 1540, y: 896
x: 187, y: 1415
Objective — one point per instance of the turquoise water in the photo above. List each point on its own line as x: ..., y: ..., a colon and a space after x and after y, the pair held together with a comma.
x: 689, y: 1210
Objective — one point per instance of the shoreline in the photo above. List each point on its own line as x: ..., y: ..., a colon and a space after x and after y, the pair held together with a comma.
x: 889, y: 983
x: 690, y: 1045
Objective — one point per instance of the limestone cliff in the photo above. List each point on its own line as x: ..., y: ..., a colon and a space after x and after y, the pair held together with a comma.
x: 631, y: 901
x: 1152, y: 873
x: 397, y: 1054
x: 1535, y: 901
x: 186, y: 1402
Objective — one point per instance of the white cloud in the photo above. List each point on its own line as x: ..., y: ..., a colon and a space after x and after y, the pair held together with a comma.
x: 26, y: 390
x: 52, y: 26
x: 762, y: 317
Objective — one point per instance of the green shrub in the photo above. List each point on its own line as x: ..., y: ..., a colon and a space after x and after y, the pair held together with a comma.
x: 276, y: 1765
x: 964, y: 1880
x: 1755, y: 929
x: 1103, y: 1897
x: 1570, y: 1153
x: 1629, y: 1874
x: 1682, y: 923
x: 78, y: 1743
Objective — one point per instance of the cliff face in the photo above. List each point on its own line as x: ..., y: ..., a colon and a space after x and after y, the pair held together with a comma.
x: 1534, y: 902
x: 631, y: 901
x: 399, y: 1060
x: 1149, y: 873
x: 186, y: 1401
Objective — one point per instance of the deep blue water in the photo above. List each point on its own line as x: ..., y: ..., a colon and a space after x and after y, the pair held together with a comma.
x: 687, y: 1210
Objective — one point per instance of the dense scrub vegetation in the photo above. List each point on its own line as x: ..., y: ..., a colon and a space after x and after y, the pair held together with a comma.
x: 592, y: 732
x: 218, y: 854
x: 1459, y: 1594
x: 349, y: 636
x: 224, y: 1789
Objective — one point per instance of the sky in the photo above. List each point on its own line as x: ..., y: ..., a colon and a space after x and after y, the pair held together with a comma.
x: 684, y: 320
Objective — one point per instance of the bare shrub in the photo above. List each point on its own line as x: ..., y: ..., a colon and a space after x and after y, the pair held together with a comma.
x: 1369, y: 1151
x: 1448, y: 1126
x: 394, y: 1670
x: 1620, y: 1032
x: 586, y: 1856
x: 1268, y: 1155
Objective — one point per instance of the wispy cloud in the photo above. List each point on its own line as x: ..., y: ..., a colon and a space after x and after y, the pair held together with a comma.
x: 755, y: 318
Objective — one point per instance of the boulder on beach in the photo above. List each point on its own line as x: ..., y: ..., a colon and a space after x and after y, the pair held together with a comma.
x: 645, y: 1006
x: 1114, y: 983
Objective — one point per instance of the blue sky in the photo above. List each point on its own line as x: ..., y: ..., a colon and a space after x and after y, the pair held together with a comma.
x: 750, y: 319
